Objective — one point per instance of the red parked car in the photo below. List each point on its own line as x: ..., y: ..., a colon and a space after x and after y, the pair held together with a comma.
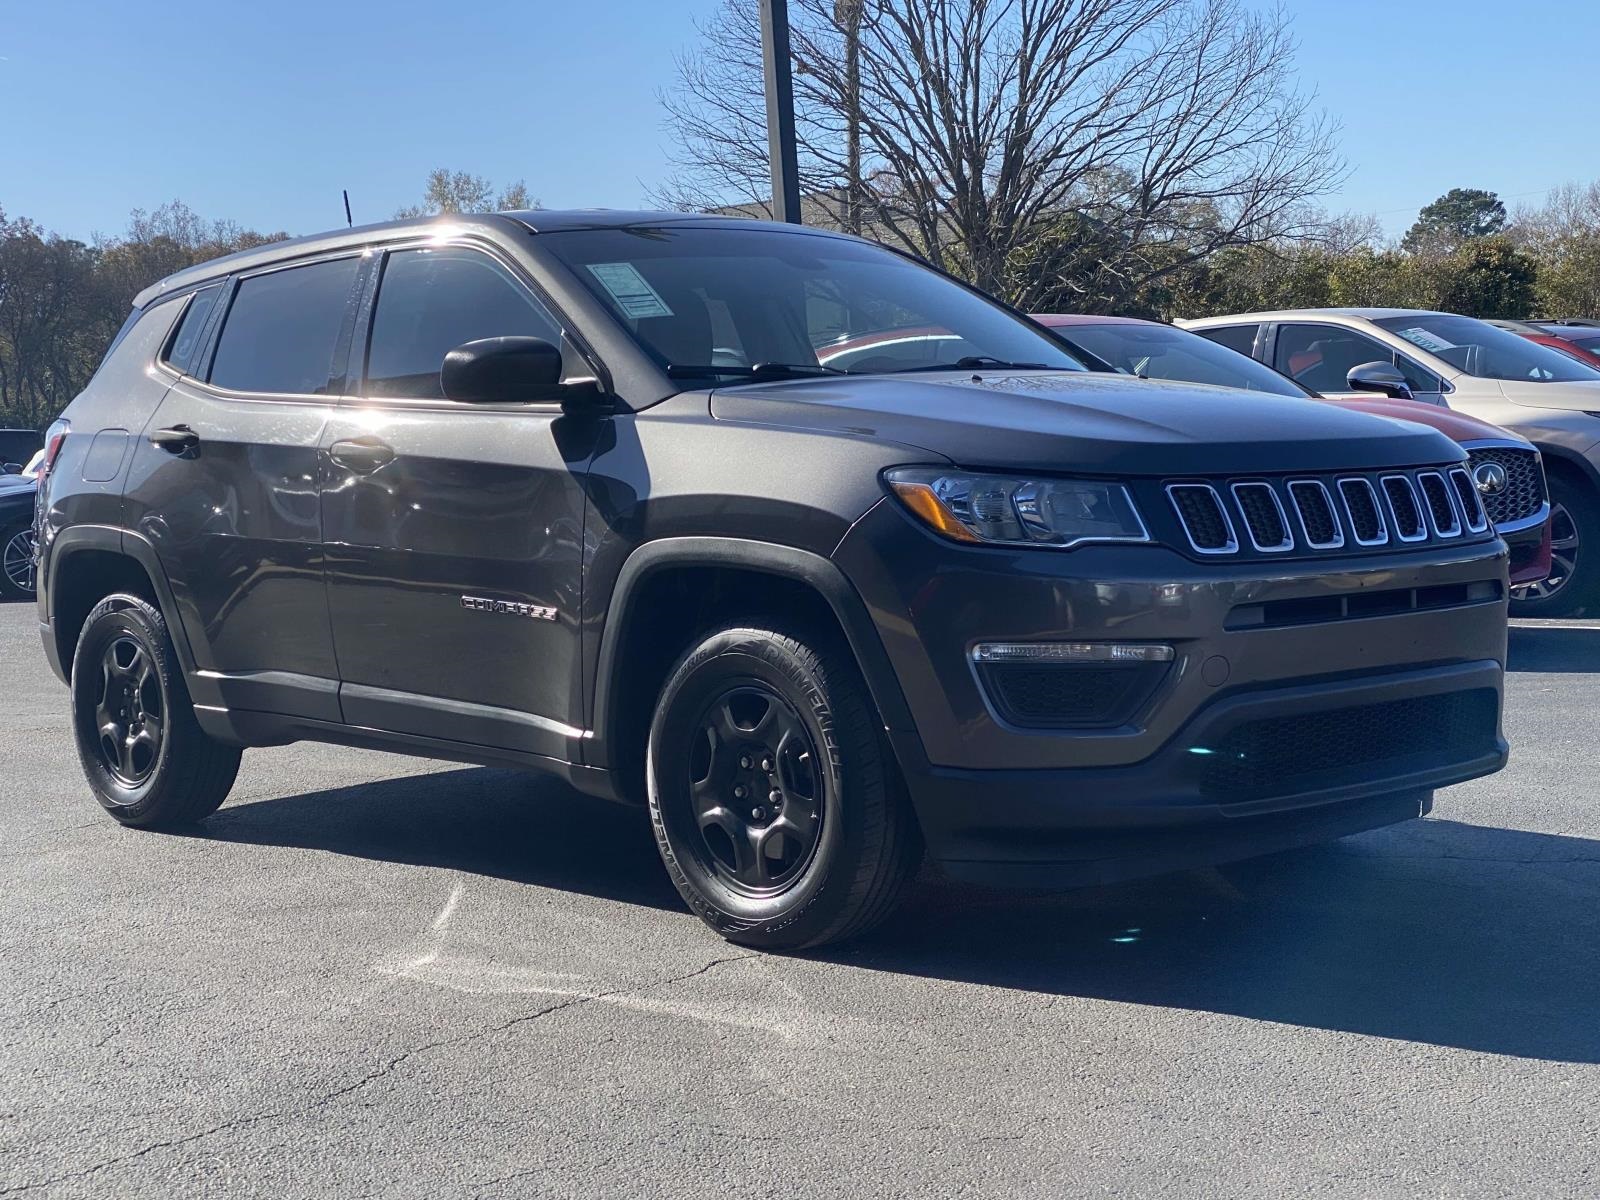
x: 1582, y: 342
x: 1507, y: 468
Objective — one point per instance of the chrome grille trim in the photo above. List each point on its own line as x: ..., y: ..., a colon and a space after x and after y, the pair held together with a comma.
x: 1377, y: 508
x: 1470, y: 503
x: 1283, y: 517
x: 1432, y: 517
x: 1293, y: 487
x: 1422, y: 520
x: 1232, y: 545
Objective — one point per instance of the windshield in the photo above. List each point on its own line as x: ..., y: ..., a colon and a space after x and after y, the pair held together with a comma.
x: 1481, y: 350
x: 1163, y: 352
x: 758, y: 302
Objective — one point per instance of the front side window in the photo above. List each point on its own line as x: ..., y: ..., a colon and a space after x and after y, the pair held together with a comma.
x: 1162, y: 352
x: 725, y: 302
x: 282, y: 328
x: 1320, y: 357
x: 1483, y: 351
x: 186, y: 338
x: 433, y: 299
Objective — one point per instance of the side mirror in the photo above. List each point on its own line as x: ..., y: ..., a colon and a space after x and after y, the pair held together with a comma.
x: 512, y: 370
x: 1381, y: 377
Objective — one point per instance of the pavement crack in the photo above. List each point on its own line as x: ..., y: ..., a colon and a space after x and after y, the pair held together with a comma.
x: 370, y: 1077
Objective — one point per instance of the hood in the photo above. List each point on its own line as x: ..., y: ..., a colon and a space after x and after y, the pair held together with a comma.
x: 1092, y: 422
x: 1582, y: 397
x: 1457, y: 426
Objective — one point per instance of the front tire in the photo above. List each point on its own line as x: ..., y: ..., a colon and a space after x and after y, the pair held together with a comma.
x: 146, y: 758
x: 1573, y: 586
x: 778, y: 814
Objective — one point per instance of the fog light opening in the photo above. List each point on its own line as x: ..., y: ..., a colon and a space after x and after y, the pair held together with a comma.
x: 1072, y: 652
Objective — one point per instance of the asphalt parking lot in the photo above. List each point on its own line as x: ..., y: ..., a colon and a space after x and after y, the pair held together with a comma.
x: 376, y: 975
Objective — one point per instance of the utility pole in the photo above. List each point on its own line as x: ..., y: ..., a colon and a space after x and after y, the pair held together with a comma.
x: 780, y: 111
x: 847, y: 15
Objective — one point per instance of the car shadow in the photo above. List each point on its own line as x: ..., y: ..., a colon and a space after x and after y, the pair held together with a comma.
x: 1435, y: 932
x: 504, y: 824
x: 1567, y: 649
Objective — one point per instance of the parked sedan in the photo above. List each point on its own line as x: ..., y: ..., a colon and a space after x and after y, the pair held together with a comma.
x: 1582, y: 342
x: 1468, y: 365
x: 1505, y: 467
x: 16, y: 537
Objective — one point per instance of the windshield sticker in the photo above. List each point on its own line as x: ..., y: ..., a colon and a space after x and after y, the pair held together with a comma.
x: 635, y: 297
x: 1419, y: 336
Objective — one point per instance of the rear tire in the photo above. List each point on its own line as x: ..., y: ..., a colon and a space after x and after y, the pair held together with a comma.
x: 778, y: 813
x: 16, y: 562
x: 146, y: 758
x: 1573, y: 589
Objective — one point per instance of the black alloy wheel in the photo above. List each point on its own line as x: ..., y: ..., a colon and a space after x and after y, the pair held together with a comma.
x: 756, y: 790
x: 130, y: 712
x: 147, y: 759
x: 779, y: 812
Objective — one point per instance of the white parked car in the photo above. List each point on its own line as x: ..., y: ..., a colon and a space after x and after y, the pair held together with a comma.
x: 1548, y: 397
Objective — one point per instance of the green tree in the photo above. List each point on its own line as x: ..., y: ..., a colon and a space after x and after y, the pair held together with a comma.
x: 462, y: 192
x: 1455, y: 218
x: 1489, y: 277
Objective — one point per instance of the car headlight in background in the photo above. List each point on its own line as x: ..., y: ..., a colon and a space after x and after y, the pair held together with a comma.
x: 1011, y: 510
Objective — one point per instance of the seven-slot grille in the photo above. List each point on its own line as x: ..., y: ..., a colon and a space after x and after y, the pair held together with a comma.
x: 1329, y: 513
x: 1524, y: 492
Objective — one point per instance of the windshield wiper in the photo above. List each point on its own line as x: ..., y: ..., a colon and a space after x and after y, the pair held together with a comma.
x: 974, y: 362
x: 761, y: 370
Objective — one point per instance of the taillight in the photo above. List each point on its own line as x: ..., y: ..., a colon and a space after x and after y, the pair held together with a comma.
x: 53, y: 438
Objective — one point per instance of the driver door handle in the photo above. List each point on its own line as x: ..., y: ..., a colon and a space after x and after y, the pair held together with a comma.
x: 363, y: 455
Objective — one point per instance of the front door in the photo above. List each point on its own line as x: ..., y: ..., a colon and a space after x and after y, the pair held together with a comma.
x: 1320, y: 357
x: 224, y: 483
x: 454, y: 531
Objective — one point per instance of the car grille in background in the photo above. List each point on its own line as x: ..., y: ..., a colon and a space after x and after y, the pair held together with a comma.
x: 1280, y: 756
x: 1524, y: 493
x: 1329, y: 513
x: 1070, y: 695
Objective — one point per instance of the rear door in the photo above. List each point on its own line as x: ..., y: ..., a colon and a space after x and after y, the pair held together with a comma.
x: 224, y: 480
x: 454, y: 531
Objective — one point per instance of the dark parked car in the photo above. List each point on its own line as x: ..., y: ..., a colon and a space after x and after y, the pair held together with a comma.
x: 1505, y: 466
x: 17, y: 446
x: 16, y: 537
x: 577, y: 492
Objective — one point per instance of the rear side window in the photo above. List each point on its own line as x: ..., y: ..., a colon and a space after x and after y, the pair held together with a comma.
x: 432, y: 300
x: 282, y: 328
x: 185, y: 342
x: 1235, y: 337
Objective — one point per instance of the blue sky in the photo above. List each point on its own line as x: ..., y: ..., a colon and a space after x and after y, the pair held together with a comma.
x: 263, y: 112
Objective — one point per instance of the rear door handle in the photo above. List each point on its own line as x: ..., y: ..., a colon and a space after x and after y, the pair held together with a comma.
x: 362, y: 455
x: 176, y: 440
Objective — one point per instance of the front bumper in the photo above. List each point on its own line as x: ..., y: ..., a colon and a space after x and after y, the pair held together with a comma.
x: 1256, y: 651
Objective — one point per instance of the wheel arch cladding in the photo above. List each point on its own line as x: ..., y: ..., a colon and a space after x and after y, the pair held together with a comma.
x: 87, y: 564
x: 670, y: 592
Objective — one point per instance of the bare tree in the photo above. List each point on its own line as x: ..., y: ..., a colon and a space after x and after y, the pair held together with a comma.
x: 1000, y: 138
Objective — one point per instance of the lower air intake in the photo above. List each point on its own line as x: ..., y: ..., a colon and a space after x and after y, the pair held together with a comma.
x: 1283, y: 756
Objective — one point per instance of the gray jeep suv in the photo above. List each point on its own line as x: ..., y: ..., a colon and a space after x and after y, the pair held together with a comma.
x: 579, y: 493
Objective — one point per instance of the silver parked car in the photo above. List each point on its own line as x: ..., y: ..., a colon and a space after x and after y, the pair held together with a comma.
x: 1548, y: 397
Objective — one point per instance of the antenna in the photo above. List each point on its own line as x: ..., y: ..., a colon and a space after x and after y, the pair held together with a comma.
x: 347, y: 219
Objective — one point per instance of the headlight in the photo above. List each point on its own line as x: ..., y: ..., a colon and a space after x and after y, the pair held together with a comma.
x: 1021, y: 511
